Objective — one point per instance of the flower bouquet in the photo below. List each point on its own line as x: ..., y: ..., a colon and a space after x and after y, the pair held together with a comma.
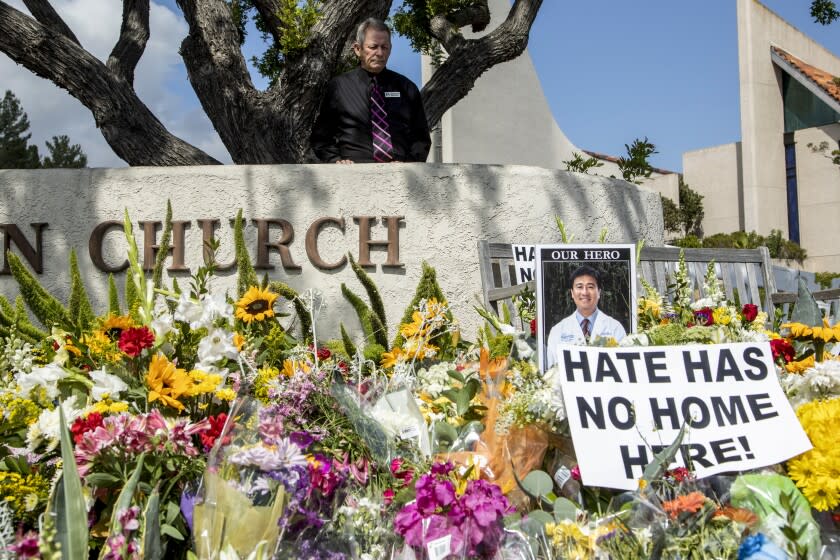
x: 241, y: 495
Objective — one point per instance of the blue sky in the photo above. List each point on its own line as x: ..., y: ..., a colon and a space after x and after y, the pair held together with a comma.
x: 611, y: 70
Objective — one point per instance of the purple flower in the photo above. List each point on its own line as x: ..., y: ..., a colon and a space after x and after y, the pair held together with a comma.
x: 704, y: 316
x: 302, y: 439
x: 188, y: 501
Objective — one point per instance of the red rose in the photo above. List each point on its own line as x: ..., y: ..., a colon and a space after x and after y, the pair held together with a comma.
x: 749, y: 312
x: 133, y: 341
x: 533, y: 327
x: 324, y: 353
x: 782, y: 349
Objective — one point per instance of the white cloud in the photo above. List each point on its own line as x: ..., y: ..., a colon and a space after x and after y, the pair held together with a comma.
x: 160, y: 80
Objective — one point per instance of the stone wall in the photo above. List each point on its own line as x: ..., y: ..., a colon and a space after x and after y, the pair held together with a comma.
x: 445, y: 210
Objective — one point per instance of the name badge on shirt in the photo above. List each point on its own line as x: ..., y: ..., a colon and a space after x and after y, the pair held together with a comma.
x: 392, y: 94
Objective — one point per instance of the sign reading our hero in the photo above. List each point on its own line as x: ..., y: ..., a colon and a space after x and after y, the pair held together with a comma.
x: 624, y: 405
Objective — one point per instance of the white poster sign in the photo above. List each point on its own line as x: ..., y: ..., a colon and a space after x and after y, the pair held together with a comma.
x: 624, y: 405
x: 523, y: 260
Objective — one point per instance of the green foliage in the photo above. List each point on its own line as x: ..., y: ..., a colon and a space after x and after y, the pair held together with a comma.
x: 247, y: 275
x: 81, y: 311
x: 636, y: 166
x: 822, y: 147
x: 163, y: 247
x: 15, y: 151
x: 687, y: 218
x: 63, y: 154
x: 824, y: 11
x: 113, y: 297
x: 824, y: 278
x: 427, y: 288
x: 302, y: 311
x: 349, y: 347
x: 19, y: 320
x: 670, y: 214
x: 413, y: 20
x: 363, y: 311
x: 372, y: 317
x: 376, y: 304
x: 779, y: 247
x: 45, y: 307
x: 296, y: 22
x: 68, y: 501
x: 581, y: 165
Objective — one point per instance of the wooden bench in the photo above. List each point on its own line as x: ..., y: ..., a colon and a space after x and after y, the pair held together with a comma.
x: 828, y: 300
x: 746, y: 274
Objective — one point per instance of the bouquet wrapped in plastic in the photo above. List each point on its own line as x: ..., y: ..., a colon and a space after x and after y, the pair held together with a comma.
x: 242, y: 496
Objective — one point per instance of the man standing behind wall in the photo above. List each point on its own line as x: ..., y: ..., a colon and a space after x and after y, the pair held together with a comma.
x: 371, y: 114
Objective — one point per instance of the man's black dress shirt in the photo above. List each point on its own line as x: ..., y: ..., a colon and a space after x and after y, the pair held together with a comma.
x: 343, y: 128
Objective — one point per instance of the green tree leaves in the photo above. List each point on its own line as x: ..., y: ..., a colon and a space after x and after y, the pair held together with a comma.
x: 15, y: 151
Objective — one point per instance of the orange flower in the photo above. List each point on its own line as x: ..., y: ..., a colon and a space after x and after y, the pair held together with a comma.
x: 690, y: 502
x: 738, y: 515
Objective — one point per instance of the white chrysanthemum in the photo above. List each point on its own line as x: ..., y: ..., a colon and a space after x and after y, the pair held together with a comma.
x: 46, y: 377
x: 106, y: 385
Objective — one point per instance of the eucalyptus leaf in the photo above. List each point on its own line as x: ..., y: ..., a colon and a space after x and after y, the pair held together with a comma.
x: 538, y: 483
x: 564, y: 509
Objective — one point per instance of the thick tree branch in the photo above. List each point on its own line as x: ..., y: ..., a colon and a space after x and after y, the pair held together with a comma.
x: 128, y: 126
x: 217, y: 71
x: 476, y: 15
x: 471, y: 58
x: 269, y: 9
x: 134, y: 33
x: 43, y: 11
x: 446, y: 33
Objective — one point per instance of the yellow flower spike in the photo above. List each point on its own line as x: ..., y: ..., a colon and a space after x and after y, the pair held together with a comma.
x: 256, y: 305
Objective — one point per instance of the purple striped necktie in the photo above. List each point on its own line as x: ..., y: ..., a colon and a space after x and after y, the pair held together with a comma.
x: 383, y: 150
x: 584, y: 326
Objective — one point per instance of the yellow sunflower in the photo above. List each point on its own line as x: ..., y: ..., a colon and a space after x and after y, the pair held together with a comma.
x: 114, y: 325
x: 256, y: 305
x: 167, y: 383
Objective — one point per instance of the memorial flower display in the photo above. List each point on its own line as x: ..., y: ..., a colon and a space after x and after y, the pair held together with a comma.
x: 185, y: 422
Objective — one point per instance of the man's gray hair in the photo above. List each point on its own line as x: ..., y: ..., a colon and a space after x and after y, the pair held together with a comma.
x: 371, y: 23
